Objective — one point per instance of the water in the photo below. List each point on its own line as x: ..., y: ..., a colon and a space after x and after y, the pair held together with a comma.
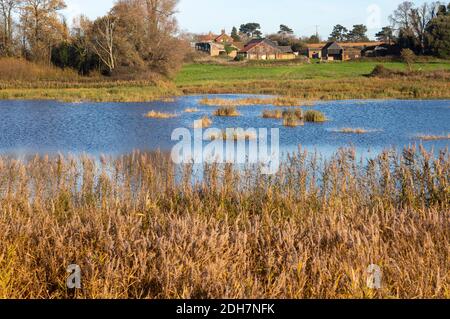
x: 28, y: 127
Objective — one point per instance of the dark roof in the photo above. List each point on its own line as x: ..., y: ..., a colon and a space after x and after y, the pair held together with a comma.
x: 286, y: 49
x: 253, y: 43
x: 332, y: 46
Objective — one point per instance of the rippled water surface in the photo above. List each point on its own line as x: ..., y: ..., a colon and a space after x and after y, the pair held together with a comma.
x: 28, y: 127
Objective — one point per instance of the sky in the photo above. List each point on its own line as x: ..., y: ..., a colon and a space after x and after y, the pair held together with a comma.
x: 303, y: 16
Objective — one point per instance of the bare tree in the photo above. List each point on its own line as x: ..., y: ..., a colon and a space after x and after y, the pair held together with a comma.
x: 7, y: 9
x: 401, y: 18
x: 103, y: 40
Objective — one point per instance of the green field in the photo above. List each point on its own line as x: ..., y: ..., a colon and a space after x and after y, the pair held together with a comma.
x: 316, y: 81
x: 192, y: 74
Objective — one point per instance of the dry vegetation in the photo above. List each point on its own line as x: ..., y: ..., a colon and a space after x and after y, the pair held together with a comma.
x: 278, y: 101
x: 293, y: 117
x: 20, y: 79
x: 191, y: 110
x: 314, y: 116
x: 226, y: 111
x: 433, y: 137
x: 349, y: 130
x: 308, y: 232
x: 269, y: 114
x: 204, y: 122
x: 233, y: 134
x: 159, y: 115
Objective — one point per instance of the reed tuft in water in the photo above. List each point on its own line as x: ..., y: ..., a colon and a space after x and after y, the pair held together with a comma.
x: 433, y: 137
x: 204, y: 122
x: 227, y: 111
x: 314, y: 116
x: 159, y: 115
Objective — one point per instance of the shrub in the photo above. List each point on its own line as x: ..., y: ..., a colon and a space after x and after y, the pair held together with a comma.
x: 408, y: 57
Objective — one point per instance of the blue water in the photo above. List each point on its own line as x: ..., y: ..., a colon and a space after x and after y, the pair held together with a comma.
x: 28, y: 127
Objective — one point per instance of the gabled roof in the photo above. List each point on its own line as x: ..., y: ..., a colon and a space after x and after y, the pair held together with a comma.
x: 332, y: 46
x: 255, y: 42
x: 345, y: 44
x: 224, y: 36
x: 286, y: 49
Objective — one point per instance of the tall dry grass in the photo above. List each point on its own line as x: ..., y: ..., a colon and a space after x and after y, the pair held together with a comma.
x: 309, y: 231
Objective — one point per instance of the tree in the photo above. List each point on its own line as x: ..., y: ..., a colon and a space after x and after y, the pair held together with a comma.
x: 285, y: 30
x: 408, y: 57
x: 358, y: 34
x: 252, y: 30
x: 401, y: 18
x: 420, y: 18
x: 385, y: 35
x: 139, y: 37
x: 7, y: 9
x: 339, y: 33
x: 411, y: 24
x: 103, y: 39
x: 438, y: 33
x: 42, y: 27
x: 313, y: 39
x: 235, y: 35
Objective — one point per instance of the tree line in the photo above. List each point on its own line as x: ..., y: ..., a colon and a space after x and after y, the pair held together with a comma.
x: 423, y: 29
x: 134, y: 37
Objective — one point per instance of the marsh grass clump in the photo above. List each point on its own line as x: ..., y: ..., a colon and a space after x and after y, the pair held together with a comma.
x: 159, y: 115
x: 191, y: 110
x: 290, y: 120
x: 433, y: 137
x: 141, y: 227
x: 227, y: 111
x: 298, y: 113
x: 348, y: 130
x: 314, y: 116
x: 293, y: 117
x: 235, y: 135
x: 269, y: 114
x: 204, y: 122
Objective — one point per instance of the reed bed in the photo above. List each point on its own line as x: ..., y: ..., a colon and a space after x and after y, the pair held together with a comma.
x: 191, y: 110
x: 433, y: 137
x: 278, y: 101
x: 269, y: 114
x: 141, y: 228
x: 314, y: 116
x: 293, y: 118
x: 159, y: 115
x: 235, y: 135
x: 349, y: 130
x: 227, y: 111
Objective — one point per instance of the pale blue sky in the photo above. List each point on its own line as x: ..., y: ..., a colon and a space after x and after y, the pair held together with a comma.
x: 201, y: 16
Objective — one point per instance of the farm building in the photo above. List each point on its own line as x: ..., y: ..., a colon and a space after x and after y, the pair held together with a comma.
x: 216, y: 45
x: 342, y: 51
x: 265, y: 49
